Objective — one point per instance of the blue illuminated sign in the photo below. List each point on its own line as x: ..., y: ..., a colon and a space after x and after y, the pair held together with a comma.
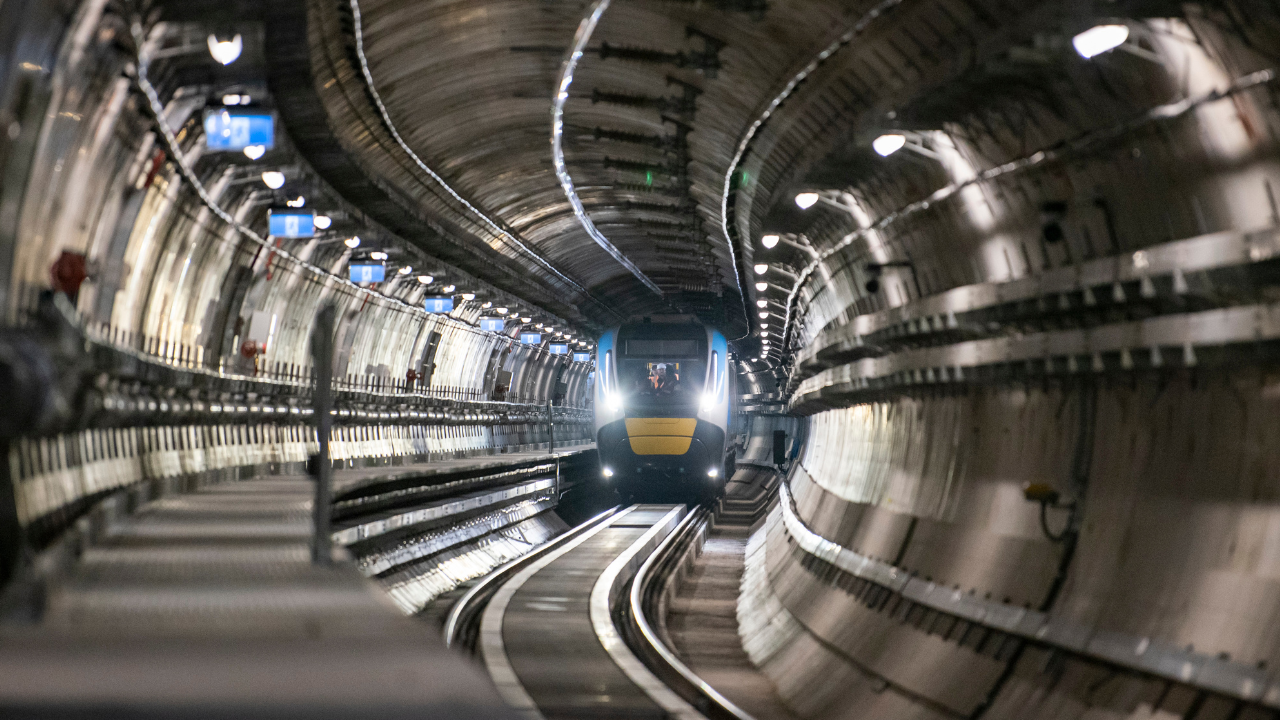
x: 291, y: 224
x: 438, y: 304
x: 226, y: 130
x: 531, y: 338
x: 582, y: 357
x: 367, y: 273
x: 493, y: 324
x: 558, y: 348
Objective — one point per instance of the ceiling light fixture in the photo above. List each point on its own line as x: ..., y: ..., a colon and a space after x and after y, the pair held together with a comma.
x: 296, y: 202
x: 761, y: 268
x: 323, y: 222
x: 806, y: 200
x: 273, y: 179
x: 886, y: 145
x: 253, y: 152
x: 769, y: 241
x: 230, y: 99
x: 1100, y: 39
x: 468, y: 296
x: 449, y: 288
x: 487, y: 305
x: 377, y: 255
x: 405, y: 270
x: 425, y: 279
x: 226, y: 51
x: 525, y: 319
x: 761, y: 287
x: 352, y: 242
x: 502, y: 311
x: 762, y: 303
x: 764, y: 315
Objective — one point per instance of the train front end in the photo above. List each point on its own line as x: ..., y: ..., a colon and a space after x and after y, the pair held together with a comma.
x: 662, y: 409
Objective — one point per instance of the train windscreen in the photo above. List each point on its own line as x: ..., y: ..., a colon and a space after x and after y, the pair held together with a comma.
x: 663, y: 372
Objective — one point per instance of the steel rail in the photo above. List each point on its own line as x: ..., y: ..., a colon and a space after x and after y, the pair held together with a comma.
x: 464, y: 615
x: 647, y: 587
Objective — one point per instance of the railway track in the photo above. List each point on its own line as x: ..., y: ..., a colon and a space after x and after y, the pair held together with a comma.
x: 574, y: 629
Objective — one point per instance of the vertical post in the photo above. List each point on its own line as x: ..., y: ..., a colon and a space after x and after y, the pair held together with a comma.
x: 551, y: 430
x: 322, y: 351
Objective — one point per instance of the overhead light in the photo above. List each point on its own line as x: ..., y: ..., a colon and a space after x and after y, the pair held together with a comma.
x: 449, y: 288
x: 525, y: 319
x: 761, y: 268
x: 502, y: 311
x: 273, y: 179
x: 806, y: 200
x: 226, y: 51
x: 886, y: 145
x: 487, y: 305
x: 1097, y: 40
x: 764, y: 325
x: 769, y: 240
x: 425, y: 279
x: 352, y: 242
x: 405, y: 270
x: 323, y: 222
x: 230, y: 99
x: 244, y: 99
x: 468, y: 296
x: 539, y: 326
x: 762, y: 303
x: 296, y: 202
x: 253, y: 152
x: 764, y: 333
x: 761, y: 287
x: 764, y: 315
x: 377, y: 255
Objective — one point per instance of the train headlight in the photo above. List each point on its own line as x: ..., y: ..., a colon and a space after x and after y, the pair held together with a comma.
x: 607, y: 472
x: 615, y: 402
x: 708, y: 402
x: 713, y: 473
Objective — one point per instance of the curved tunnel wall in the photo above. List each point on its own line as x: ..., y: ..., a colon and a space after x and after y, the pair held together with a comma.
x: 1054, y: 329
x: 172, y: 291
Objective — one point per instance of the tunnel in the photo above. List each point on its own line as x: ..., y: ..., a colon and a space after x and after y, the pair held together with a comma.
x: 338, y: 341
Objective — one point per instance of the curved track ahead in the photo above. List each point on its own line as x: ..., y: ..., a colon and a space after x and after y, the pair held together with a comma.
x: 572, y: 629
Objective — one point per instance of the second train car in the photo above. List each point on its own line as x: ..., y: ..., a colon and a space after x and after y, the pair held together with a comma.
x: 664, y: 399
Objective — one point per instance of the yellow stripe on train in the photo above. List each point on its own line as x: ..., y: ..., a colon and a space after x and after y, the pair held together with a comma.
x: 660, y: 436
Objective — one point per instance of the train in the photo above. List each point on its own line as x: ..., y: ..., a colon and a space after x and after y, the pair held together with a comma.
x: 664, y: 401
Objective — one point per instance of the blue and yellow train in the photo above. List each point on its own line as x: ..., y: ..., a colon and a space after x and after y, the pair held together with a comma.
x: 664, y: 400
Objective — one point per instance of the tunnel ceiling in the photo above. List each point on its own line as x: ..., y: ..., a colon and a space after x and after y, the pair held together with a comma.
x: 661, y: 96
x: 445, y: 108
